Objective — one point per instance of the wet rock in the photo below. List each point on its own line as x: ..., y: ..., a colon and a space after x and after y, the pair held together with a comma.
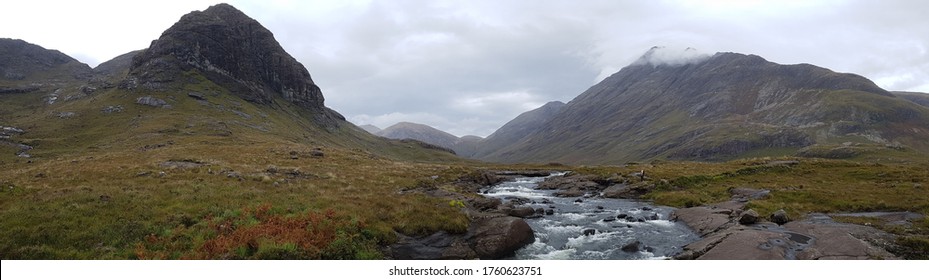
x: 631, y: 247
x: 599, y: 207
x: 438, y: 246
x: 484, y: 203
x: 581, y: 182
x: 589, y: 232
x: 549, y: 212
x: 749, y: 217
x: 653, y: 217
x: 521, y: 212
x: 622, y: 216
x: 499, y: 237
x: 578, y: 201
x: 540, y: 211
x: 631, y: 219
x: 609, y: 219
x: 569, y: 193
x: 546, y: 201
x: 780, y: 217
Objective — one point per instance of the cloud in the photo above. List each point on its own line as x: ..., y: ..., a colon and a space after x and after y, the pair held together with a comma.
x: 468, y: 67
x: 661, y: 55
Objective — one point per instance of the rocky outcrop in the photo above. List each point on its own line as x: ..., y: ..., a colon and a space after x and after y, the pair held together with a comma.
x: 234, y: 51
x: 152, y: 101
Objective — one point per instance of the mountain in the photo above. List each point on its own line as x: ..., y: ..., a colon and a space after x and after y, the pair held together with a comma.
x: 920, y: 98
x: 466, y: 146
x: 516, y: 130
x: 370, y: 128
x: 235, y: 52
x: 26, y: 67
x: 719, y: 107
x: 421, y: 132
x: 214, y: 73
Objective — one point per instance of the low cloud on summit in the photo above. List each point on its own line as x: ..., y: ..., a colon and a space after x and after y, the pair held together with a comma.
x: 468, y: 67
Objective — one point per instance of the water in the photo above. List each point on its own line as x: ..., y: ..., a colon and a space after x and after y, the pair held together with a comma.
x: 561, y: 235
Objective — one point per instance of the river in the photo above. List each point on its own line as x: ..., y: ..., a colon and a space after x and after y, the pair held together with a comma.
x: 594, y: 227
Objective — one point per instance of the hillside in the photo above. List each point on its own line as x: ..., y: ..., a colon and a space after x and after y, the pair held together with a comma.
x: 94, y: 161
x: 920, y: 98
x: 721, y: 107
x: 462, y: 147
x: 516, y: 131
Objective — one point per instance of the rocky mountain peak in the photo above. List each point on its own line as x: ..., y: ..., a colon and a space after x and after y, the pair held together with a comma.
x: 232, y: 50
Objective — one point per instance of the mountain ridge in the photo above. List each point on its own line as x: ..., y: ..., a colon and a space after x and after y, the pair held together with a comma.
x: 717, y: 108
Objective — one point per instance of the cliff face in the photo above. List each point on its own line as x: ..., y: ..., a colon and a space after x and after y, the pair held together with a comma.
x: 232, y: 50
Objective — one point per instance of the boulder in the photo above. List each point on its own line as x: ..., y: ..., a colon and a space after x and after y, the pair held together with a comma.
x: 438, y: 246
x: 484, y: 203
x: 569, y: 193
x: 749, y: 217
x: 780, y: 217
x: 495, y: 238
x: 589, y: 232
x: 521, y: 212
x: 631, y: 247
x: 549, y: 212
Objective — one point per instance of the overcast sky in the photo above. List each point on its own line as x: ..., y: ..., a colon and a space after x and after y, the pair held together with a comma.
x: 468, y: 67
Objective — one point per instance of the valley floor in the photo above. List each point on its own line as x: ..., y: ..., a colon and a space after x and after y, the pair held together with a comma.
x: 273, y: 200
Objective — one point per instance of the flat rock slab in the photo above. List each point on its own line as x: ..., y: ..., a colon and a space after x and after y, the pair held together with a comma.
x: 708, y: 219
x: 815, y: 238
x: 841, y: 241
x: 747, y: 244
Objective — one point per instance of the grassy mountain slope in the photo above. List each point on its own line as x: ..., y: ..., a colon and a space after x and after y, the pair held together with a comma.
x: 722, y: 107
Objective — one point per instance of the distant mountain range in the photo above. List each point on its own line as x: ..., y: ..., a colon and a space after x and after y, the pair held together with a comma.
x: 692, y: 107
x: 464, y: 146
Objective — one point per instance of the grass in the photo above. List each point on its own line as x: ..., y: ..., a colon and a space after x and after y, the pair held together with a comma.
x: 98, y: 186
x: 813, y: 185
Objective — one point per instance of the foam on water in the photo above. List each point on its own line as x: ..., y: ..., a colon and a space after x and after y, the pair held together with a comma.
x: 560, y: 236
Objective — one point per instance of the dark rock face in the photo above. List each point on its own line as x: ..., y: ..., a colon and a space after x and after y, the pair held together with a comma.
x: 232, y: 50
